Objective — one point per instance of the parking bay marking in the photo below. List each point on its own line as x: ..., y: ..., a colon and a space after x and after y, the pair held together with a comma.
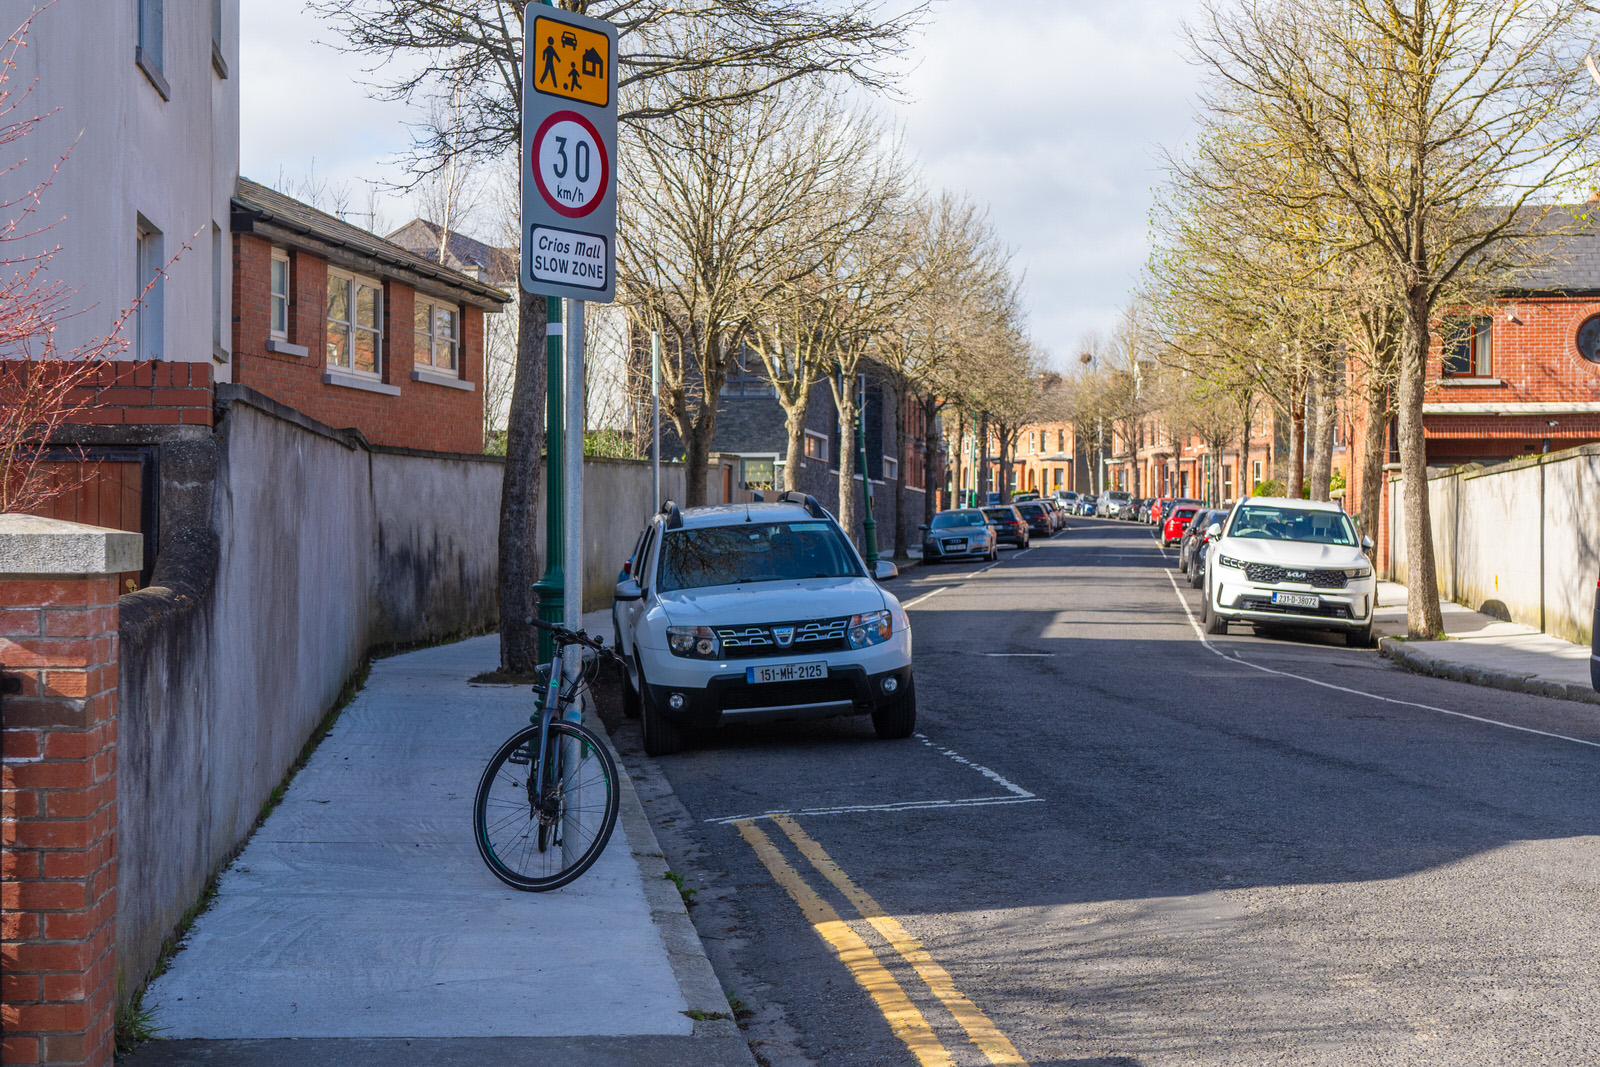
x: 904, y: 1018
x: 1204, y: 640
x: 1014, y: 794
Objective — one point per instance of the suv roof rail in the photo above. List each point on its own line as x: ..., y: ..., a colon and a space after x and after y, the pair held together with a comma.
x: 814, y: 509
x: 674, y: 516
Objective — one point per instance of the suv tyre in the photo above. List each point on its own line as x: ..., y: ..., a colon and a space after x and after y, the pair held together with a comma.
x: 661, y: 736
x: 899, y: 718
x: 1215, y: 624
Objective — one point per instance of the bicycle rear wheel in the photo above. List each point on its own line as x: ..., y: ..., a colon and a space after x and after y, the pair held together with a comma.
x: 577, y: 816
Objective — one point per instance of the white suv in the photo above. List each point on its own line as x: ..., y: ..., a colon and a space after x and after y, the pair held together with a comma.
x: 1290, y: 563
x: 757, y: 613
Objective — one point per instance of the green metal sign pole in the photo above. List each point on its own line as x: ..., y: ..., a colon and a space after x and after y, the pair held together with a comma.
x: 551, y: 587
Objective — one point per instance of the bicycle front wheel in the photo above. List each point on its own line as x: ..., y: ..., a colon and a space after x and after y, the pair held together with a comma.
x: 538, y: 839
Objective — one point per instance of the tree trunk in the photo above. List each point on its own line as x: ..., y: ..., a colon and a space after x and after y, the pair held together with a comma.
x: 1324, y: 412
x: 1247, y: 484
x: 1374, y: 452
x: 983, y: 458
x: 1424, y: 621
x: 519, y: 490
x: 1297, y: 442
x: 696, y: 457
x: 794, y: 422
x: 845, y: 404
x: 899, y: 389
x: 930, y: 459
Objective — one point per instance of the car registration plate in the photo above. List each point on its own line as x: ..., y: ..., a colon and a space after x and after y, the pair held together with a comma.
x: 1296, y: 600
x: 956, y: 545
x: 786, y: 672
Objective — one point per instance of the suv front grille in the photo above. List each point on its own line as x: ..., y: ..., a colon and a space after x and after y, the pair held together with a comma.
x: 1267, y: 574
x: 815, y: 635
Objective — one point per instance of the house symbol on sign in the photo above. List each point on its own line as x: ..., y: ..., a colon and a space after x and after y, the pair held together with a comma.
x: 593, y: 65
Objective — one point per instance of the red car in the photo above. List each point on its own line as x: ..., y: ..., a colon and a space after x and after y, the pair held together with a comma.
x: 1173, y: 526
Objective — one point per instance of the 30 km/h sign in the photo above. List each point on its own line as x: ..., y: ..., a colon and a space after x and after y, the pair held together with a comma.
x: 569, y: 130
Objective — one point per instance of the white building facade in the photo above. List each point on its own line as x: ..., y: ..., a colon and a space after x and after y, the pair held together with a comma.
x: 140, y: 100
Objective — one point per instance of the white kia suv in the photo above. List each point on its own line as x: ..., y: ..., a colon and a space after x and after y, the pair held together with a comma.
x: 757, y: 613
x: 1285, y: 562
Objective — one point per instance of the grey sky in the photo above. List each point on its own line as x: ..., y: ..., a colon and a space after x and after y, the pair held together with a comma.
x: 1050, y: 112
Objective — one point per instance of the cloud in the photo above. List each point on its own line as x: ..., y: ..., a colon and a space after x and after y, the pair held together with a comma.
x: 1053, y: 113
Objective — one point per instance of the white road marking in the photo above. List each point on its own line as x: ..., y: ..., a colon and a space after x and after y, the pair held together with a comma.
x: 1017, y: 655
x: 1016, y: 795
x: 1206, y: 641
x: 924, y: 596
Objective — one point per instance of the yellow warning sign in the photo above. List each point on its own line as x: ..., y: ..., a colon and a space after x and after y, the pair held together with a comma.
x: 571, y: 62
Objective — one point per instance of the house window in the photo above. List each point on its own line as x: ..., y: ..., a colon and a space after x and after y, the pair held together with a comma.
x: 758, y: 473
x: 891, y: 468
x: 1589, y: 339
x: 218, y: 63
x: 816, y: 446
x: 147, y: 53
x: 355, y: 308
x: 1466, y: 348
x: 746, y: 375
x: 150, y: 320
x: 1255, y: 473
x: 438, y: 335
x: 278, y: 300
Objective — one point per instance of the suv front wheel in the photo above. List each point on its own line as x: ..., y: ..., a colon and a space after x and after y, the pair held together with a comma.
x: 662, y: 737
x: 898, y: 718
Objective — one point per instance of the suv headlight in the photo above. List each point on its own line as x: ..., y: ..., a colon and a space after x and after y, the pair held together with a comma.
x: 873, y: 628
x: 1229, y: 561
x: 699, y: 642
x: 1358, y: 572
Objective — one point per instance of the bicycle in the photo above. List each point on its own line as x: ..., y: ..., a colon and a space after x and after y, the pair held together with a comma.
x: 548, y: 800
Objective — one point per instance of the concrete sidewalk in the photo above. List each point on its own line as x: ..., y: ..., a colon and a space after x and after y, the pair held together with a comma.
x: 1485, y: 651
x: 359, y: 926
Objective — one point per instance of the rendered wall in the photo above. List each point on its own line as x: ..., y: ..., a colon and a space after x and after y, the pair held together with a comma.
x: 1519, y: 540
x: 288, y: 551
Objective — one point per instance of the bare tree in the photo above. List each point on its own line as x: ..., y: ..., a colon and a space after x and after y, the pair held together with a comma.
x: 1442, y: 127
x: 668, y: 52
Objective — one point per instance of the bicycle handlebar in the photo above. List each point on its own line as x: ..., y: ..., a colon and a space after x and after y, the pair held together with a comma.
x: 573, y: 637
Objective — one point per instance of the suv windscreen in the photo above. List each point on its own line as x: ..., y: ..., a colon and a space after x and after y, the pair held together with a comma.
x: 947, y: 519
x: 754, y: 552
x: 1292, y: 524
x: 1000, y: 514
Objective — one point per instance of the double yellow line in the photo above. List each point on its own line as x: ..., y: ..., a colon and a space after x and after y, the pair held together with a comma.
x: 903, y: 1016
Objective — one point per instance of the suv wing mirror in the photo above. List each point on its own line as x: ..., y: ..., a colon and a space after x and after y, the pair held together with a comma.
x: 628, y: 589
x: 1366, y: 544
x: 1214, y: 531
x: 883, y: 570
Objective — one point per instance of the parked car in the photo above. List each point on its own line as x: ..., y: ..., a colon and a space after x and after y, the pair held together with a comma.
x: 1057, y: 512
x: 1173, y: 525
x: 1067, y: 499
x: 1162, y: 509
x: 1200, y: 546
x: 1038, y: 517
x: 959, y: 533
x: 1086, y: 504
x: 1021, y: 498
x: 1191, y: 533
x: 1113, y: 504
x: 1009, y: 525
x: 754, y: 613
x: 1290, y: 563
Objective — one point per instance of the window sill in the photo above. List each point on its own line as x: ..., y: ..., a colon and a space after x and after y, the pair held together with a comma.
x: 433, y: 377
x: 220, y: 354
x: 357, y: 381
x: 152, y: 71
x: 1457, y: 381
x: 284, y: 348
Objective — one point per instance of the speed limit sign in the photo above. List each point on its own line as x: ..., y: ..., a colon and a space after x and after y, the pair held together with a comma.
x: 569, y: 127
x: 570, y: 164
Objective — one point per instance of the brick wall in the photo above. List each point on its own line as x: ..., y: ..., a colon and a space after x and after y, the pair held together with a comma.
x: 58, y: 859
x: 425, y: 415
x: 133, y: 393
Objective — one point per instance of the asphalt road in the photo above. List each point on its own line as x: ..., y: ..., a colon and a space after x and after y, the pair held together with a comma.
x: 1116, y: 842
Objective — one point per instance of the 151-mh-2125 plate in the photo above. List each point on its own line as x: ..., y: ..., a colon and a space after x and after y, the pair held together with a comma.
x: 1296, y: 600
x: 786, y: 672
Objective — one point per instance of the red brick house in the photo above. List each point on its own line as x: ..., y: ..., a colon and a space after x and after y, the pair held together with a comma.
x: 354, y: 330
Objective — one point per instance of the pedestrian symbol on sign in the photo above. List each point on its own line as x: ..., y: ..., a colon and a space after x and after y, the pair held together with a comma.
x: 582, y: 52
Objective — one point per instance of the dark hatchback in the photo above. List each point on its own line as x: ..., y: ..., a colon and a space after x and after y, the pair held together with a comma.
x: 1038, y: 518
x: 1009, y: 525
